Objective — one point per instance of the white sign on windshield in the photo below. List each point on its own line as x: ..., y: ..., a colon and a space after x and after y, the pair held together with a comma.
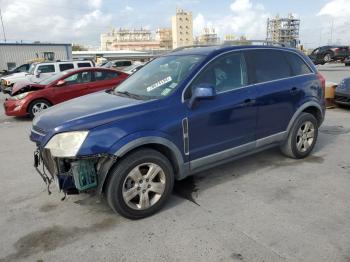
x: 159, y: 83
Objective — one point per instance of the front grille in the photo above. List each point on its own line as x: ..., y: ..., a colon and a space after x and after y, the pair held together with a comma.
x: 39, y: 130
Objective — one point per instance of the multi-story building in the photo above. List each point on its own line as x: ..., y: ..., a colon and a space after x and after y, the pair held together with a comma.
x: 182, y: 28
x: 164, y: 36
x: 283, y: 30
x: 208, y: 37
x: 126, y: 39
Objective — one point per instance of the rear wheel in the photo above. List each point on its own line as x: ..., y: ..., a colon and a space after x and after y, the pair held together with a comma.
x: 327, y: 58
x: 140, y: 184
x: 302, y: 137
x: 38, y: 106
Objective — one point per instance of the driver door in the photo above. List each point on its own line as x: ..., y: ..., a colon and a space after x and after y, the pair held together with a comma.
x: 224, y: 126
x: 75, y: 86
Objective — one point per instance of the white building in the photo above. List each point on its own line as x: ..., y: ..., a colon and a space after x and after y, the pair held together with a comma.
x: 16, y: 54
x: 182, y: 28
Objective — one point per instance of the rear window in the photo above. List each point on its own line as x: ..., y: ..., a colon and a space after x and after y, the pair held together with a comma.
x: 299, y: 67
x: 64, y: 67
x: 84, y: 65
x: 105, y: 75
x: 47, y: 68
x: 268, y: 65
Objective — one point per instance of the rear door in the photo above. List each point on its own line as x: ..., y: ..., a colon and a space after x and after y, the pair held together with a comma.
x: 105, y: 79
x: 277, y: 95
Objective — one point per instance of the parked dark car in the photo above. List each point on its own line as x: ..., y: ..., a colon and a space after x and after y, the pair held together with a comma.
x: 342, y: 93
x: 347, y: 61
x: 180, y: 114
x: 326, y: 54
x: 18, y: 69
x: 32, y: 98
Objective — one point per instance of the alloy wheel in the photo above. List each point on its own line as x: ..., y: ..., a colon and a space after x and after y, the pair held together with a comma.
x: 38, y: 107
x: 144, y: 186
x: 305, y: 136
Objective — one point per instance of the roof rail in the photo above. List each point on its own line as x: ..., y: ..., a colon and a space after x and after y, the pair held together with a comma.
x: 189, y: 46
x: 255, y: 42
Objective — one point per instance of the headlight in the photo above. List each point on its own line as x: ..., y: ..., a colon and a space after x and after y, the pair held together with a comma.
x: 66, y: 144
x: 21, y: 96
x: 7, y: 82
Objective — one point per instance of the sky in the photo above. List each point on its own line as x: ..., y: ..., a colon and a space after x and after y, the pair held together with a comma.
x: 82, y: 21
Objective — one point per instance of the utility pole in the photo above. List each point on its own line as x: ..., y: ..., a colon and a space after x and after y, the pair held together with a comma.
x: 332, y: 27
x: 2, y: 24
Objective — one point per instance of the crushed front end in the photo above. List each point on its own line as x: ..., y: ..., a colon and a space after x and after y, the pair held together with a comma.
x: 72, y: 174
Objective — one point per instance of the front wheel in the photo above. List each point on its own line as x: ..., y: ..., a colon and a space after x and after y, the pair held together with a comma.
x: 302, y: 137
x: 38, y: 106
x: 140, y: 184
x: 327, y: 58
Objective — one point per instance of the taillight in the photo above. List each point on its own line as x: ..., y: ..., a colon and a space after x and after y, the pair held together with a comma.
x: 323, y: 83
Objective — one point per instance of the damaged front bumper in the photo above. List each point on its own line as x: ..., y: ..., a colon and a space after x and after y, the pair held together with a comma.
x: 73, y: 175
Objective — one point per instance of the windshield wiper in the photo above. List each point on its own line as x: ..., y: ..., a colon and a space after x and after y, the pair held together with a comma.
x: 128, y: 94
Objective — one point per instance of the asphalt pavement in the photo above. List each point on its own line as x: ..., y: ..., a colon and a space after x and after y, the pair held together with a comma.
x: 261, y: 208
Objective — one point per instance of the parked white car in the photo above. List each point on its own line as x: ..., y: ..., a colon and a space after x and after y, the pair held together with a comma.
x: 40, y: 71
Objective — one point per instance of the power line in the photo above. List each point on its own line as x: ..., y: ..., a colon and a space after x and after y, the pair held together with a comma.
x: 3, y: 27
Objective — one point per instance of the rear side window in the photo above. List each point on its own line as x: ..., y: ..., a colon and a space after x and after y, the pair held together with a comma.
x: 47, y: 68
x: 64, y: 67
x: 299, y: 67
x: 268, y: 65
x: 105, y: 75
x: 84, y: 65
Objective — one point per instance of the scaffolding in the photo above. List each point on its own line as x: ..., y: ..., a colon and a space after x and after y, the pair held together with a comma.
x: 283, y: 30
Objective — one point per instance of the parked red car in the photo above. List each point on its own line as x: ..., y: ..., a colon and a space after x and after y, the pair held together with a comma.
x: 30, y: 99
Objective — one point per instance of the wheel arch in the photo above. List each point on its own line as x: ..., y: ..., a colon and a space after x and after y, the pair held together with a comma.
x: 162, y: 145
x: 36, y: 99
x: 311, y: 107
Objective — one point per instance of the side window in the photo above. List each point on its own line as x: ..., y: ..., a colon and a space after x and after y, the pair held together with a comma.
x: 105, y: 75
x: 127, y: 63
x: 225, y: 73
x: 316, y: 51
x: 84, y: 65
x: 64, y: 67
x: 47, y: 68
x: 299, y: 67
x: 79, y: 78
x: 268, y: 65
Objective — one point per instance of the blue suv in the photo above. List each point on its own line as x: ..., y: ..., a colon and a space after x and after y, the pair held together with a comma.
x: 182, y: 113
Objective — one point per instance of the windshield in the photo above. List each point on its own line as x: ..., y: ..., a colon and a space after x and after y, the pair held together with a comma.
x: 53, y: 78
x: 31, y: 69
x: 158, y: 78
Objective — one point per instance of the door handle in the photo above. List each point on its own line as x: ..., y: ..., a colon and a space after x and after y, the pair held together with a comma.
x: 294, y: 90
x: 249, y: 101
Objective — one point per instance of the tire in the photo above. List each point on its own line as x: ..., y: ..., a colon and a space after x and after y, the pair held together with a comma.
x: 327, y: 58
x: 348, y: 64
x: 34, y: 107
x: 294, y: 146
x: 128, y: 184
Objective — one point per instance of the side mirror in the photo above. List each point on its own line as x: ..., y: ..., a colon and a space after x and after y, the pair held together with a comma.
x: 202, y: 91
x: 37, y: 74
x: 61, y: 83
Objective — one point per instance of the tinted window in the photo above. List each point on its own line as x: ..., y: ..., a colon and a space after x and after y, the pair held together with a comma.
x: 23, y: 68
x: 225, y: 73
x: 84, y: 65
x: 268, y: 65
x: 105, y: 75
x: 82, y: 77
x: 64, y: 67
x: 299, y: 67
x: 47, y: 68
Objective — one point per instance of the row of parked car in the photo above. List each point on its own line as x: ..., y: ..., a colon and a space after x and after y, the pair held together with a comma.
x: 50, y: 83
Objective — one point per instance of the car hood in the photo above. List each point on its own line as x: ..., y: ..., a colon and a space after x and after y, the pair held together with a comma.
x: 25, y: 86
x: 15, y: 76
x: 85, y: 112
